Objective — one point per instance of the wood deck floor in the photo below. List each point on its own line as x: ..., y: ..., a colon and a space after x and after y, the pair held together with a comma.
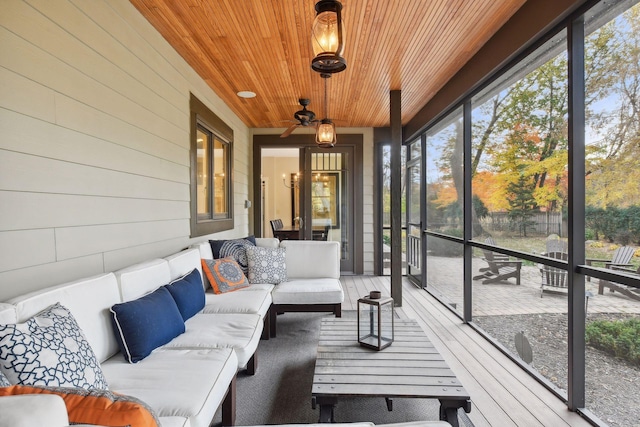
x: 502, y: 394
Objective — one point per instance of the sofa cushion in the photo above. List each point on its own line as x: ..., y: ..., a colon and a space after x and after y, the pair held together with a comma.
x: 89, y: 299
x: 255, y: 299
x: 235, y: 248
x: 184, y: 261
x: 325, y: 258
x: 4, y: 381
x: 225, y: 275
x: 241, y: 332
x: 7, y: 313
x: 32, y: 410
x: 145, y: 324
x: 267, y: 265
x: 188, y: 293
x: 49, y: 349
x: 177, y: 382
x: 95, y: 407
x: 143, y: 278
x: 309, y: 291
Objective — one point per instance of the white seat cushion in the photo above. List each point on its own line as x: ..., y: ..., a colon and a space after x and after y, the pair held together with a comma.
x: 175, y: 382
x: 241, y: 332
x: 174, y: 422
x: 254, y: 302
x: 309, y: 291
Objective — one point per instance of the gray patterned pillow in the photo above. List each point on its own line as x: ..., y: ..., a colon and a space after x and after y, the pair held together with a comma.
x: 49, y: 349
x: 267, y: 265
x: 4, y: 382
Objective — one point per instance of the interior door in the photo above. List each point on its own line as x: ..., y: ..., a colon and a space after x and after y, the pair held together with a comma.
x: 328, y: 199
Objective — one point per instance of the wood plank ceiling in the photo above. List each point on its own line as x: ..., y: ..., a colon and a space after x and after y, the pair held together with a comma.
x: 264, y: 46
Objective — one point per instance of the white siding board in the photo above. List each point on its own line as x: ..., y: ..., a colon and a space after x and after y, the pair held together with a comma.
x: 63, y: 44
x: 26, y: 96
x: 22, y: 172
x: 51, y: 72
x: 118, y: 42
x: 130, y: 28
x: 31, y: 136
x: 24, y: 280
x: 21, y: 210
x: 73, y: 242
x: 121, y: 258
x: 25, y: 248
x: 88, y: 120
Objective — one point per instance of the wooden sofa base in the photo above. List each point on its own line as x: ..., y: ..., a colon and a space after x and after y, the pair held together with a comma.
x: 229, y: 405
x: 276, y: 309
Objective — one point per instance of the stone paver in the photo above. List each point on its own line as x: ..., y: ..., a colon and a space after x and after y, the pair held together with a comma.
x: 445, y: 276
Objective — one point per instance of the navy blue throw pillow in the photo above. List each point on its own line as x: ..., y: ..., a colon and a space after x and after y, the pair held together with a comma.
x: 146, y: 323
x: 188, y: 292
x: 234, y: 248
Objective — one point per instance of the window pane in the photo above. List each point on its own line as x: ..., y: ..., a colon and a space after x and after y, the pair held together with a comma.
x: 612, y: 217
x: 519, y: 152
x: 203, y: 143
x: 220, y: 162
x: 445, y: 175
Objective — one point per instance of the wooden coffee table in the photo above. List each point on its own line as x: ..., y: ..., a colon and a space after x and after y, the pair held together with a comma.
x: 410, y: 368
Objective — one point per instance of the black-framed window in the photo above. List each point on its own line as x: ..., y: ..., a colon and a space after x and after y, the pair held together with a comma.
x: 211, y: 171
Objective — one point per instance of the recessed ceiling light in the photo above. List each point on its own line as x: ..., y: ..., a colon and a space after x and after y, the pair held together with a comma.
x: 246, y: 94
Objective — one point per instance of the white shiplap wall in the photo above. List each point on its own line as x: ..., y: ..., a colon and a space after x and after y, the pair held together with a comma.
x: 94, y: 142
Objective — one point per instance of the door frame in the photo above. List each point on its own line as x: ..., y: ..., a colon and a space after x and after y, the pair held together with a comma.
x: 301, y: 142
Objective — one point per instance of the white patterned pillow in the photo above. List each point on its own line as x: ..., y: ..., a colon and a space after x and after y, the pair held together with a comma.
x: 267, y: 265
x: 49, y: 349
x: 4, y: 382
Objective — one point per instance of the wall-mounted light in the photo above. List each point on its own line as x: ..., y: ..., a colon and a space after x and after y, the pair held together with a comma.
x: 294, y: 181
x: 327, y: 38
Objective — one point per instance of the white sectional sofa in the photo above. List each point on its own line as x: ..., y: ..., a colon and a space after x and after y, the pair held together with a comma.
x: 187, y: 379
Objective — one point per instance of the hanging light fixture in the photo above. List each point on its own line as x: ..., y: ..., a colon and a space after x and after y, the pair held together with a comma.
x: 327, y: 38
x: 326, y: 131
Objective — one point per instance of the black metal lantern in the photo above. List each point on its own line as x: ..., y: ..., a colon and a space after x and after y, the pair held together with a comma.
x: 327, y: 38
x: 375, y: 321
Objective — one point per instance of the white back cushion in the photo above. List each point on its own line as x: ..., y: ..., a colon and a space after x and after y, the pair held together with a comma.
x: 312, y: 259
x: 88, y: 300
x: 204, y: 248
x: 267, y: 242
x: 141, y: 279
x: 183, y: 262
x: 7, y: 314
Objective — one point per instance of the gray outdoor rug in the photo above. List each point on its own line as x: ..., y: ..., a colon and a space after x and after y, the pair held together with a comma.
x: 280, y: 392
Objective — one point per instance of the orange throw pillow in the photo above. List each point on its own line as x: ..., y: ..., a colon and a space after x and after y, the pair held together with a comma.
x: 224, y: 274
x: 100, y: 407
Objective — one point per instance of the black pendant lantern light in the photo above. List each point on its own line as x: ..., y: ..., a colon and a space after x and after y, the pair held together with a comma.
x: 327, y: 38
x: 326, y: 131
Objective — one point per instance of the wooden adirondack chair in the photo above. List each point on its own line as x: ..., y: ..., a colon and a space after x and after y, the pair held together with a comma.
x: 620, y: 258
x: 630, y: 291
x: 500, y: 267
x: 553, y: 278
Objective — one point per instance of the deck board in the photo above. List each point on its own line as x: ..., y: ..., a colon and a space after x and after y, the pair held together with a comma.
x: 502, y: 394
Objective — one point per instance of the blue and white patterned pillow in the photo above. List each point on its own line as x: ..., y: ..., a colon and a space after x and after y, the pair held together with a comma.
x: 49, y: 349
x: 4, y: 381
x: 267, y: 265
x: 236, y: 248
